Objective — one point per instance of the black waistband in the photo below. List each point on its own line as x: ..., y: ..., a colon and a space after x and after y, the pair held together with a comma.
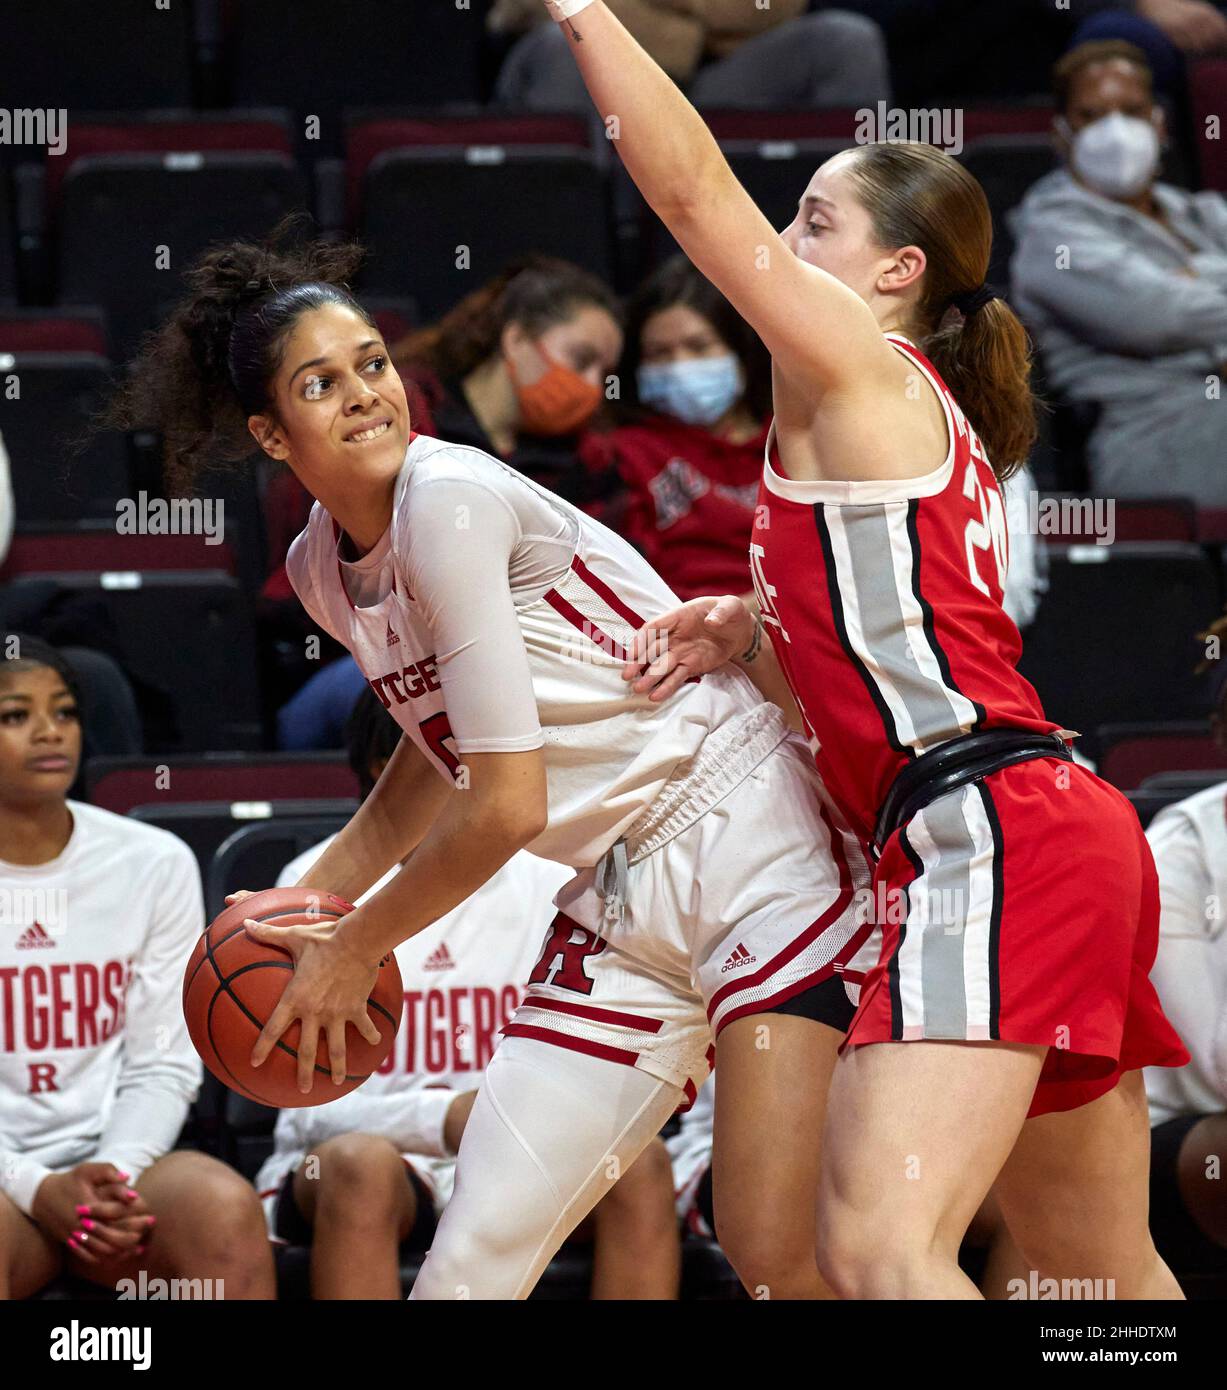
x: 955, y: 764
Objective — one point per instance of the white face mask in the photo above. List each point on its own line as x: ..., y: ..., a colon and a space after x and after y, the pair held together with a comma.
x: 1117, y: 155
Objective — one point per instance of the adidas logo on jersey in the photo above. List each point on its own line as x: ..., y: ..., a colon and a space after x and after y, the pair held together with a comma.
x: 439, y: 959
x: 739, y: 958
x: 33, y: 938
x: 393, y: 639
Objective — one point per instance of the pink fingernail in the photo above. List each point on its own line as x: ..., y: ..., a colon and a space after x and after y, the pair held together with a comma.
x: 131, y: 1192
x: 73, y: 1244
x: 140, y: 1249
x: 151, y: 1220
x: 78, y: 1235
x: 123, y: 1177
x: 83, y: 1211
x: 87, y: 1223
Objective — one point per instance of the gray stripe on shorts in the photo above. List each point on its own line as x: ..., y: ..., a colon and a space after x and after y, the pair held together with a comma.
x: 947, y: 881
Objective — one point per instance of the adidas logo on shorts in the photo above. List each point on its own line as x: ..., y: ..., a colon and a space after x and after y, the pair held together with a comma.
x: 739, y: 958
x: 439, y: 959
x: 33, y: 938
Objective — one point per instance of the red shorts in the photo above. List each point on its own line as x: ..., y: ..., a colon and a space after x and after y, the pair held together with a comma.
x: 1024, y: 908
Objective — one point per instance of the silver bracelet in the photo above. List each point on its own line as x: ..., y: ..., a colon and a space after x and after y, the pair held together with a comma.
x: 756, y: 642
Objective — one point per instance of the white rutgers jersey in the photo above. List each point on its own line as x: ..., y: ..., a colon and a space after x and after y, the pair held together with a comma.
x: 493, y: 616
x: 463, y: 980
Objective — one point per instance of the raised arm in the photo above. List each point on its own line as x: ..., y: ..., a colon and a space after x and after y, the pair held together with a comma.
x: 818, y: 331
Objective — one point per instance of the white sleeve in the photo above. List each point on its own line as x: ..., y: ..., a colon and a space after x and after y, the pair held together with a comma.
x: 455, y: 546
x: 160, y: 1072
x: 20, y: 1178
x: 6, y: 504
x: 298, y: 571
x: 412, y: 1119
x: 1024, y: 582
x: 1185, y: 975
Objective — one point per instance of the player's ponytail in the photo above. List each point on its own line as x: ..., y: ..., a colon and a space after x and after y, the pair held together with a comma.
x: 199, y: 376
x: 917, y: 195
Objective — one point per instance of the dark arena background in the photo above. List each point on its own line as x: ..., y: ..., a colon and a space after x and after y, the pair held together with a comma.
x: 178, y: 725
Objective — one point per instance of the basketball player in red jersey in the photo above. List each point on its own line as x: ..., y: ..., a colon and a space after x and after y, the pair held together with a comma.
x: 1011, y: 1003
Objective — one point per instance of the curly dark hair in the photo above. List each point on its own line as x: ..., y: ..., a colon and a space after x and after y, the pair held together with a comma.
x: 197, y: 378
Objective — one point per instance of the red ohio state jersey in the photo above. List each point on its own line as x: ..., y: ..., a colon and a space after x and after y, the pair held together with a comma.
x: 883, y: 603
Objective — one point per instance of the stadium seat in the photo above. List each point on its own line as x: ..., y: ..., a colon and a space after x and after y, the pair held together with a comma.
x: 370, y: 133
x: 119, y: 784
x: 120, y: 213
x: 1185, y: 783
x: 1148, y: 804
x: 73, y: 329
x: 1207, y: 97
x: 70, y: 54
x: 185, y: 641
x: 57, y: 394
x: 496, y: 201
x: 8, y: 249
x: 1076, y: 518
x: 392, y: 52
x: 256, y: 854
x: 1130, y: 753
x: 1007, y: 166
x: 1113, y: 641
x: 94, y: 545
x: 206, y: 825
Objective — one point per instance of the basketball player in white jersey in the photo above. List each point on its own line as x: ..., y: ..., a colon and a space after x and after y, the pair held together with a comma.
x: 714, y: 896
x: 364, y: 1179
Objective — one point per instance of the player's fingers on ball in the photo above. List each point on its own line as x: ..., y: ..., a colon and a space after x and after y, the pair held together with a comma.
x: 308, y: 1045
x: 279, y: 1020
x: 240, y: 895
x: 369, y: 1029
x: 270, y: 935
x: 336, y: 1049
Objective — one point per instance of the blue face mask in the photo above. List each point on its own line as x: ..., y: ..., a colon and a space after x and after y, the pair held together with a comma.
x: 698, y: 391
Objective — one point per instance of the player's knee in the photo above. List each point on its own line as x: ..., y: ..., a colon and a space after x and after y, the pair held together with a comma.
x: 360, y: 1172
x: 646, y: 1188
x: 219, y: 1222
x: 771, y: 1255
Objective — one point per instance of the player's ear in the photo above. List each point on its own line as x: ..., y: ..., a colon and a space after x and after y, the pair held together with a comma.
x: 267, y: 434
x: 905, y: 268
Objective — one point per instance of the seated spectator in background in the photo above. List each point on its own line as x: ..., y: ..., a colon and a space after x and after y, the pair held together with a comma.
x: 1188, y: 1105
x: 519, y: 368
x: 696, y: 402
x: 724, y: 53
x: 96, y: 1068
x: 1122, y: 281
x: 316, y: 715
x: 1027, y: 576
x: 363, y: 1179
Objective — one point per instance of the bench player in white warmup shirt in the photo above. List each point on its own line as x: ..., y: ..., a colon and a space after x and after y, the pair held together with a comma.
x: 96, y: 1069
x: 713, y: 890
x: 362, y: 1175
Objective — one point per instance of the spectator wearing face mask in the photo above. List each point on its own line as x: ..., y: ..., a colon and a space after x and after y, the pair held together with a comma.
x: 1122, y: 280
x: 696, y: 402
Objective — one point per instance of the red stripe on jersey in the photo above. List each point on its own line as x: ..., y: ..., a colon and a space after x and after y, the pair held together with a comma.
x: 565, y: 1006
x: 599, y: 587
x: 586, y: 626
x: 811, y: 933
x: 593, y: 1049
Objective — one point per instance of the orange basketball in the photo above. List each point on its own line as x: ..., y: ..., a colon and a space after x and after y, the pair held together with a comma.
x: 233, y: 984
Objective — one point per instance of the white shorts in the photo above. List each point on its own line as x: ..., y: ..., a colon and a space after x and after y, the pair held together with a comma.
x: 761, y: 900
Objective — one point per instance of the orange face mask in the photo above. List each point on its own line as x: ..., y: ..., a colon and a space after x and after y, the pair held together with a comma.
x: 562, y: 402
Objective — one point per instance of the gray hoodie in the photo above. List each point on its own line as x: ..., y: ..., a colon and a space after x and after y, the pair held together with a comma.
x: 1127, y: 315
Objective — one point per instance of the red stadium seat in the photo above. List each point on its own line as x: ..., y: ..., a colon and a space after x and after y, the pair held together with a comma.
x: 119, y: 784
x: 53, y: 330
x: 1130, y: 753
x: 171, y: 132
x: 96, y: 546
x: 1208, y: 97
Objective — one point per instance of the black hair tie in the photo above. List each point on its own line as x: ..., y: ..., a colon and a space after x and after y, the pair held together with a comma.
x: 974, y: 300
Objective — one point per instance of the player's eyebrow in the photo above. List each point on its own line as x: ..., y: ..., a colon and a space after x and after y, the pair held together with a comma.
x: 817, y: 198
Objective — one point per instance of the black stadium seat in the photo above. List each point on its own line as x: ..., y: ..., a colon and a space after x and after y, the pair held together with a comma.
x: 46, y: 399
x: 8, y: 246
x: 1113, y: 641
x: 206, y: 825
x: 122, y: 215
x: 1007, y: 166
x: 186, y: 641
x: 253, y: 855
x: 422, y: 206
x: 317, y: 59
